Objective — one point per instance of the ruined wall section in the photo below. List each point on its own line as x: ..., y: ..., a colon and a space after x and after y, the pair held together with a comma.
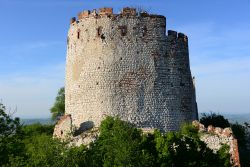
x: 124, y: 65
x: 216, y: 137
x: 63, y: 128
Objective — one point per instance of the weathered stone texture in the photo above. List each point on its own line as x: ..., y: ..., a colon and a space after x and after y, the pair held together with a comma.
x: 125, y: 65
x: 216, y: 137
x: 63, y: 128
x: 85, y: 138
x: 105, y: 11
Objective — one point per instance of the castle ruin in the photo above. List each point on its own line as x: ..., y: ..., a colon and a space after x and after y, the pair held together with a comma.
x: 125, y: 65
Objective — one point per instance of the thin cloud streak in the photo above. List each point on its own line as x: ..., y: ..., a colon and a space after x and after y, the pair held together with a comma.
x: 19, y: 47
x: 231, y: 66
x: 220, y: 59
x: 32, y: 93
x: 24, y: 57
x: 210, y: 42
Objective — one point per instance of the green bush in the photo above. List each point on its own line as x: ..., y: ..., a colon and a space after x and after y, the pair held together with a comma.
x: 37, y: 129
x: 216, y: 120
x: 45, y: 151
x: 185, y: 148
x: 224, y: 155
x: 240, y: 133
x: 11, y: 136
x: 119, y: 144
x: 58, y: 109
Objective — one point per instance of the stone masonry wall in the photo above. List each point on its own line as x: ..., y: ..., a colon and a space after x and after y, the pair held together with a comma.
x: 216, y: 137
x: 125, y: 65
x: 63, y: 128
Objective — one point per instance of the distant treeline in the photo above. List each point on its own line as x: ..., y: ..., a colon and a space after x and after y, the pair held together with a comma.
x: 43, y: 121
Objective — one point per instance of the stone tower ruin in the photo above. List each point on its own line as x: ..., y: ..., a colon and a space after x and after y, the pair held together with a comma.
x: 125, y: 65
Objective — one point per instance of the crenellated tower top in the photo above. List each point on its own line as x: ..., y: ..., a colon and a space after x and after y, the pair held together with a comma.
x: 126, y: 12
x: 108, y: 12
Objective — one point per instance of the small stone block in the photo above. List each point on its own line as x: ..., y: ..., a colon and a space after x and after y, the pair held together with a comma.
x: 72, y: 20
x: 172, y: 33
x: 128, y: 11
x: 210, y: 128
x: 83, y: 14
x: 105, y: 11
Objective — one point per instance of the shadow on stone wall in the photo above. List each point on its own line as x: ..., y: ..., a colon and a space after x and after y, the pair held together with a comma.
x: 84, y: 127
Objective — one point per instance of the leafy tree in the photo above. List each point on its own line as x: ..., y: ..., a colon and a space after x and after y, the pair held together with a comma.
x: 37, y: 129
x: 118, y: 145
x: 224, y: 156
x: 240, y: 133
x: 10, y: 137
x: 58, y: 108
x: 185, y: 148
x: 45, y: 151
x: 42, y: 150
x: 148, y: 148
x: 214, y: 119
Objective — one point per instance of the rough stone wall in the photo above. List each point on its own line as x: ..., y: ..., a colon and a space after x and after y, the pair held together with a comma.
x: 216, y: 137
x: 63, y: 128
x: 125, y: 65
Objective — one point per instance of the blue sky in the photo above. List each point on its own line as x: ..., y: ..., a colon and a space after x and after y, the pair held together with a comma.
x: 33, y: 49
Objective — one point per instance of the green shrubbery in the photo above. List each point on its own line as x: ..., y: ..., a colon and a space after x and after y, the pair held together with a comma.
x: 10, y: 137
x: 58, y: 109
x: 119, y: 144
x: 214, y: 119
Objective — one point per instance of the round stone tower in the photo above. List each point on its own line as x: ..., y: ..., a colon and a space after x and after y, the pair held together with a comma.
x: 124, y: 65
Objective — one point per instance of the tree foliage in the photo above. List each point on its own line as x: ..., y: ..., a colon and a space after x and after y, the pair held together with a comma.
x: 10, y: 136
x: 58, y: 108
x: 214, y: 119
x: 119, y: 144
x: 240, y: 133
x: 185, y: 148
x: 37, y: 129
x: 224, y: 156
x: 42, y: 150
x: 45, y: 151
